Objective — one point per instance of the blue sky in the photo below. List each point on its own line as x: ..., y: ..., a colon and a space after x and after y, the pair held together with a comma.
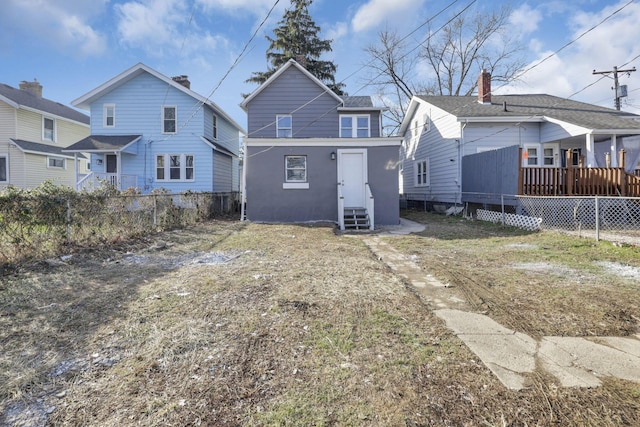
x: 73, y: 46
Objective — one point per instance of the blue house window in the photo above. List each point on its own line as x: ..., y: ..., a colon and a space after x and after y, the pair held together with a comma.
x: 175, y: 167
x: 284, y: 126
x: 169, y: 119
x: 354, y: 126
x: 109, y: 112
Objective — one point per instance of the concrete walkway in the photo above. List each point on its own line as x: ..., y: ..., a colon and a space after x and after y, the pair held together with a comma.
x: 511, y: 355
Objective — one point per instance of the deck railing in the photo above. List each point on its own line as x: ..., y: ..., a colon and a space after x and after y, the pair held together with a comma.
x: 95, y: 179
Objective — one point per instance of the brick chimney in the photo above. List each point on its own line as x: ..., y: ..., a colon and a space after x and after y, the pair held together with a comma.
x: 484, y: 87
x: 34, y: 87
x: 183, y: 80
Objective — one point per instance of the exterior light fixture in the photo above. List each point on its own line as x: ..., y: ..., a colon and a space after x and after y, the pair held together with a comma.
x: 333, y: 155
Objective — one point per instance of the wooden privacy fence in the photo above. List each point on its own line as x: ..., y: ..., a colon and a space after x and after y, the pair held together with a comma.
x: 578, y: 181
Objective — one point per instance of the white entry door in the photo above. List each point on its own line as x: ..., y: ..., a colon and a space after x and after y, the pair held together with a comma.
x: 352, y: 176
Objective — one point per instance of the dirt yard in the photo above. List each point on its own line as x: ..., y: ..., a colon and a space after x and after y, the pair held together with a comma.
x: 232, y: 323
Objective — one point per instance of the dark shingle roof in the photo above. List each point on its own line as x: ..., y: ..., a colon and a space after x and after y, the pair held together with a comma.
x: 566, y: 110
x: 357, y: 101
x: 40, y: 148
x: 102, y: 143
x: 28, y: 99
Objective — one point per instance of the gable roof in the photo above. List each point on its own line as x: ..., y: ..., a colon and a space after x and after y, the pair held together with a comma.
x: 18, y: 98
x: 102, y: 143
x: 535, y: 107
x: 38, y: 148
x: 290, y: 63
x: 85, y: 100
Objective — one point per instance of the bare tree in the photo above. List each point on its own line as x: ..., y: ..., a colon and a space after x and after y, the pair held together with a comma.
x: 450, y: 57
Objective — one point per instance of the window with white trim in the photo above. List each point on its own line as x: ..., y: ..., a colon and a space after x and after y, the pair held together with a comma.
x: 532, y: 156
x: 48, y: 129
x: 421, y: 170
x: 109, y: 115
x: 416, y: 128
x: 56, y: 162
x: 175, y: 167
x: 169, y: 118
x: 426, y: 120
x: 215, y: 126
x: 284, y: 126
x: 354, y: 126
x: 549, y: 158
x: 295, y: 168
x: 4, y: 168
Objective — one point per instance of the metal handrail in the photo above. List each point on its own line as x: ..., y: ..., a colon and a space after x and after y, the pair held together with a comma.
x: 370, y: 206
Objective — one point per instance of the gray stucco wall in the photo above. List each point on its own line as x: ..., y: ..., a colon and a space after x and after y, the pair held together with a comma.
x: 267, y: 201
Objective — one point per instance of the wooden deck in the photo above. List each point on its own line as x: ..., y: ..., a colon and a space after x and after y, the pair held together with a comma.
x: 579, y: 181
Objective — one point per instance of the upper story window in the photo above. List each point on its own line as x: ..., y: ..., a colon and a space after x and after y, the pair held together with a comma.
x: 169, y: 119
x: 284, y: 126
x: 109, y: 115
x: 215, y: 126
x: 354, y: 126
x: 427, y: 122
x: 416, y: 128
x: 48, y: 129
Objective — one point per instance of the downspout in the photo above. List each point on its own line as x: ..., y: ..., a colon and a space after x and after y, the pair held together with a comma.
x: 243, y: 185
x: 460, y: 144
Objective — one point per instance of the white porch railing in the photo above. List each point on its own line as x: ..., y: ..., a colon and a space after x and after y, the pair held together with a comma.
x: 95, y: 179
x: 370, y: 206
x: 340, y: 208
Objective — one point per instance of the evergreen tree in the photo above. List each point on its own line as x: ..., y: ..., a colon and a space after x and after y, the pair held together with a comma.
x: 296, y: 37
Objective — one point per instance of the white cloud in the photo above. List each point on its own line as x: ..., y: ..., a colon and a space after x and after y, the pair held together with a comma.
x: 337, y: 31
x: 375, y: 12
x: 254, y: 7
x: 63, y: 24
x: 569, y: 72
x: 525, y: 19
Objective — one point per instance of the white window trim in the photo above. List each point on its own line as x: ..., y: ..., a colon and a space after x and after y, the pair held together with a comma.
x: 278, y: 117
x: 64, y: 162
x: 427, y: 173
x: 55, y: 130
x: 354, y: 127
x: 105, y: 108
x: 175, y: 107
x: 167, y: 167
x: 525, y: 160
x: 5, y: 156
x: 294, y: 183
x: 426, y: 120
x: 555, y: 155
x: 214, y: 126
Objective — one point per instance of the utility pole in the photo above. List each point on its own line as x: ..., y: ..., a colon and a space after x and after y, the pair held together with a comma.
x: 616, y: 87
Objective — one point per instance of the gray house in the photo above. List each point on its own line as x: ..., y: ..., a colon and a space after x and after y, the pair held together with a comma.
x: 459, y: 149
x: 311, y: 155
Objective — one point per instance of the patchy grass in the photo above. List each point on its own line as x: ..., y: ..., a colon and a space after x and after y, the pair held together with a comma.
x: 298, y: 326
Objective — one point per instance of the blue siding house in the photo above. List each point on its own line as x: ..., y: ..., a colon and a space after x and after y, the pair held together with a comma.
x: 311, y: 155
x: 149, y: 131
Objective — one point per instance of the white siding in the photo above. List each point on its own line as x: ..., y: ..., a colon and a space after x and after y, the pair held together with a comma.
x: 556, y: 131
x: 439, y: 146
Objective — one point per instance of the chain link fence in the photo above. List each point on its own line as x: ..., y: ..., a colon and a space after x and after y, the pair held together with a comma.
x: 45, y: 223
x: 614, y: 219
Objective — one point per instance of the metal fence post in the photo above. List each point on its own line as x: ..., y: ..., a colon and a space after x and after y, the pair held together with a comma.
x: 597, y: 219
x: 68, y: 221
x: 502, y: 206
x: 155, y: 210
